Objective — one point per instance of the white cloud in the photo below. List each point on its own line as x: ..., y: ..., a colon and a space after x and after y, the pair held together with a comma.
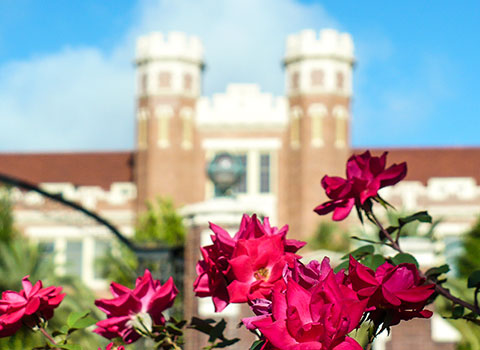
x: 83, y: 98
x: 74, y: 99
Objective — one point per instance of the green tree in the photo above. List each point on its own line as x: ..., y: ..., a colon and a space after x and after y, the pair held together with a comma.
x: 469, y: 260
x: 160, y: 224
x: 330, y: 236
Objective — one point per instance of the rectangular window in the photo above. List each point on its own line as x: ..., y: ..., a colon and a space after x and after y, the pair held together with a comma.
x: 241, y: 186
x: 265, y: 173
x: 74, y: 259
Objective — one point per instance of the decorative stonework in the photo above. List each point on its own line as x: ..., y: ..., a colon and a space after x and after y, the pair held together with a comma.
x: 241, y: 106
x: 119, y: 194
x: 319, y: 65
x: 169, y: 65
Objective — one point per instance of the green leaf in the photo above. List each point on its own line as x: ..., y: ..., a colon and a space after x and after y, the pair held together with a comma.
x: 421, y: 216
x: 437, y: 271
x: 70, y: 347
x: 226, y: 342
x: 458, y: 311
x: 257, y: 344
x: 75, y: 316
x: 401, y: 258
x: 343, y: 265
x: 364, y: 240
x: 474, y: 279
x: 201, y: 325
x: 373, y: 261
x: 360, y: 252
x: 217, y: 331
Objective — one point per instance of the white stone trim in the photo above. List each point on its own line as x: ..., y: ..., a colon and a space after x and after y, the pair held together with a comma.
x: 241, y: 144
x: 242, y: 106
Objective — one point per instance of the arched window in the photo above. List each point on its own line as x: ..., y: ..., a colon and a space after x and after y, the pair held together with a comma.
x: 186, y: 115
x: 164, y: 80
x: 143, y: 84
x: 318, y: 78
x: 187, y: 82
x: 317, y: 114
x: 163, y: 114
x: 295, y: 82
x: 340, y: 114
x: 142, y: 119
x: 295, y: 116
x: 340, y: 80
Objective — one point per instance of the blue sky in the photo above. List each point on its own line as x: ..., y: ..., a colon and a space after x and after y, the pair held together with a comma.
x: 66, y: 73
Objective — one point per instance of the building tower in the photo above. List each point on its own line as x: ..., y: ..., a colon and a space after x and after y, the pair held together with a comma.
x: 319, y: 89
x: 169, y: 160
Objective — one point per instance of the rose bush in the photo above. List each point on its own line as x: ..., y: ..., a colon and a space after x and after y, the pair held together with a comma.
x: 30, y: 306
x: 296, y: 306
x: 133, y: 312
x: 365, y: 176
x: 398, y: 290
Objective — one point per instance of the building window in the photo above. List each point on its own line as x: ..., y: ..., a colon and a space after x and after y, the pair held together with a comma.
x: 318, y: 78
x: 163, y: 114
x: 74, y: 258
x: 341, y: 126
x: 317, y: 114
x: 187, y: 82
x: 142, y: 128
x: 295, y: 80
x: 340, y: 80
x: 264, y: 173
x: 187, y: 127
x: 164, y: 80
x: 241, y: 186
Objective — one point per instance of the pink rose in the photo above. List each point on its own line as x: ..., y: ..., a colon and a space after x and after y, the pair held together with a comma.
x: 317, y: 319
x: 365, y: 176
x: 313, y: 273
x: 215, y: 271
x: 399, y: 289
x: 257, y: 268
x: 132, y: 312
x: 29, y: 306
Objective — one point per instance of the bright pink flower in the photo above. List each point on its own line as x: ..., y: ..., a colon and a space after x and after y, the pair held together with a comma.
x: 316, y: 319
x: 110, y: 347
x: 257, y: 268
x: 29, y: 306
x: 365, y: 176
x: 399, y: 289
x: 134, y: 311
x: 215, y: 271
x: 313, y: 273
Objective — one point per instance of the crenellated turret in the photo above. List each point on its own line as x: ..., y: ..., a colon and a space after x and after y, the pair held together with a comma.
x: 169, y: 64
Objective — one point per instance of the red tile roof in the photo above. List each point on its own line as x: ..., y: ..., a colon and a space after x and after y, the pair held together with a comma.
x: 81, y: 169
x: 424, y: 163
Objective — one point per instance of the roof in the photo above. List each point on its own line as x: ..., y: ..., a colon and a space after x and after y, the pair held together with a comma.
x: 81, y: 169
x: 425, y: 163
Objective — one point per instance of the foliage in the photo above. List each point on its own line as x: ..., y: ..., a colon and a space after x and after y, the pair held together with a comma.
x: 330, y: 236
x: 160, y: 224
x: 469, y: 261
